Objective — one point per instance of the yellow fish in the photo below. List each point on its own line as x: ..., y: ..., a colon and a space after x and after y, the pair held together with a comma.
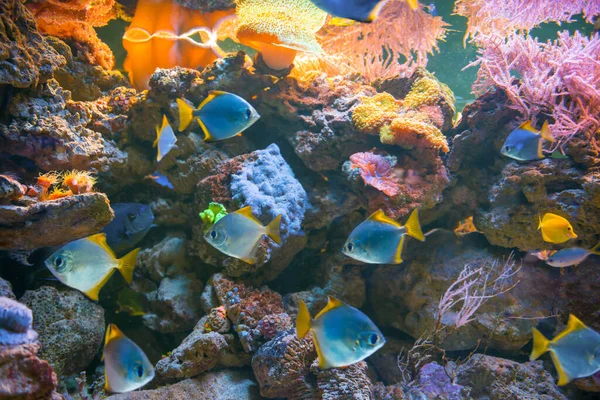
x: 87, y: 264
x: 165, y: 139
x: 556, y: 229
x: 126, y: 366
x: 238, y: 234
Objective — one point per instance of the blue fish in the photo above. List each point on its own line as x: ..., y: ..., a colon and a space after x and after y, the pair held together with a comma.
x: 525, y: 142
x: 161, y: 179
x: 575, y: 351
x: 342, y: 334
x: 221, y: 115
x: 572, y: 256
x: 165, y: 139
x: 131, y: 224
x: 126, y: 366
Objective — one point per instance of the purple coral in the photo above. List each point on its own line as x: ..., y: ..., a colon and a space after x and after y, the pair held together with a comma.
x: 15, y: 323
x: 376, y: 171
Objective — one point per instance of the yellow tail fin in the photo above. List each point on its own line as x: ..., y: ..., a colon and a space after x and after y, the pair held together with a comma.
x: 595, y: 249
x: 413, y: 227
x: 545, y: 133
x: 272, y: 230
x: 186, y: 114
x: 540, y: 345
x: 127, y: 264
x: 303, y: 320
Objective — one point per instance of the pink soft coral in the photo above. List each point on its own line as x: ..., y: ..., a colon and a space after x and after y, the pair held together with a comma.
x: 376, y: 171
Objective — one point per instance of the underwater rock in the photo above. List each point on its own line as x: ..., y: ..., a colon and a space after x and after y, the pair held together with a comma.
x: 15, y: 323
x: 328, y: 200
x: 498, y: 379
x: 407, y: 298
x: 351, y: 382
x: 70, y: 327
x: 282, y: 367
x: 577, y: 293
x: 207, y: 5
x: 265, y: 181
x: 227, y: 384
x: 433, y: 382
x: 167, y: 279
x: 26, y: 59
x: 6, y: 289
x: 57, y: 133
x: 10, y: 189
x: 52, y: 223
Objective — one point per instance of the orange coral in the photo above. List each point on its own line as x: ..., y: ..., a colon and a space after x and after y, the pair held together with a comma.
x: 412, y: 131
x: 161, y: 36
x: 374, y: 112
x: 75, y: 20
x: 58, y: 193
x: 78, y: 181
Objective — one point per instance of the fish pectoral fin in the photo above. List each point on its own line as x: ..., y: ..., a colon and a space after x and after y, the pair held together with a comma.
x: 94, y: 291
x: 540, y: 345
x: 303, y: 320
x: 563, y: 376
x: 127, y: 264
x: 332, y: 303
x: 398, y: 257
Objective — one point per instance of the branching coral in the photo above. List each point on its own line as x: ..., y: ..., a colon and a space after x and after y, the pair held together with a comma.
x: 396, y: 44
x: 76, y: 19
x: 278, y: 29
x: 503, y: 17
x: 376, y: 171
x: 557, y: 79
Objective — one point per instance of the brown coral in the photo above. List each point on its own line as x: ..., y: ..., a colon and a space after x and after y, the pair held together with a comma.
x: 75, y: 20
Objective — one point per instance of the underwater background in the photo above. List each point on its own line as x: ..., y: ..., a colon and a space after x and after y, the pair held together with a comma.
x: 248, y: 199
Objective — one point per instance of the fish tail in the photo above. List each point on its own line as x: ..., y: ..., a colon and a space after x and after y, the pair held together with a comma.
x: 303, y: 320
x: 127, y: 264
x: 594, y: 250
x: 186, y: 114
x: 414, y: 4
x: 413, y: 227
x: 272, y: 230
x: 540, y: 345
x: 546, y: 134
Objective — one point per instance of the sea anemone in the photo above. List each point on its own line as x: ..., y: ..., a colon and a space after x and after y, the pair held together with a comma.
x: 78, y: 181
x: 48, y: 179
x: 376, y: 171
x: 58, y: 193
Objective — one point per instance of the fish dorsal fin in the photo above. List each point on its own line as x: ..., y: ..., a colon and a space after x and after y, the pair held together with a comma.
x: 528, y: 127
x: 112, y: 333
x: 247, y: 212
x: 573, y: 325
x: 332, y: 303
x: 100, y: 240
x: 380, y: 216
x: 213, y: 94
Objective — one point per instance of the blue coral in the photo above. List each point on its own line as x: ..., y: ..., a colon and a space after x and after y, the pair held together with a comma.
x: 15, y: 323
x: 267, y: 183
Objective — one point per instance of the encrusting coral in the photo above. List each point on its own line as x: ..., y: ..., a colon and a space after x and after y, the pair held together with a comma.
x: 279, y: 29
x: 374, y: 112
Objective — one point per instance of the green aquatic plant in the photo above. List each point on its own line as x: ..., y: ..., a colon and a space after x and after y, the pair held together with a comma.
x: 213, y: 214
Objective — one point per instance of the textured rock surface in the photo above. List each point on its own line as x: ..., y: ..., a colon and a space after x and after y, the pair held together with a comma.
x: 70, y: 327
x: 221, y: 385
x: 434, y: 382
x: 29, y: 377
x: 349, y: 383
x: 51, y: 223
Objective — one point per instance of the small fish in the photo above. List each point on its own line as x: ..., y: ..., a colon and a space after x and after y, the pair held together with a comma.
x: 161, y: 179
x: 573, y: 256
x: 542, y: 255
x: 379, y: 239
x: 126, y: 366
x: 342, y: 334
x: 87, y: 264
x: 238, y: 234
x: 165, y: 139
x: 525, y: 142
x: 556, y: 229
x: 575, y: 351
x: 465, y: 227
x: 221, y: 115
x: 357, y: 10
x: 131, y: 224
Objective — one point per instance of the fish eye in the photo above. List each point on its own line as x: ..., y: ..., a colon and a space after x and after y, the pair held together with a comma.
x: 568, y: 228
x: 58, y: 262
x: 131, y: 217
x: 213, y: 234
x: 350, y: 246
x: 140, y: 371
x: 507, y: 148
x: 248, y: 113
x: 373, y: 339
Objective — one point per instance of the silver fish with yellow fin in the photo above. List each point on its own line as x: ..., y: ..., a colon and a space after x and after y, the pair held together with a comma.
x: 87, y: 264
x: 572, y: 256
x: 126, y: 366
x: 342, y: 334
x: 379, y: 239
x: 357, y: 10
x: 221, y: 115
x: 525, y: 142
x: 556, y: 229
x: 238, y: 234
x: 575, y: 351
x: 165, y: 139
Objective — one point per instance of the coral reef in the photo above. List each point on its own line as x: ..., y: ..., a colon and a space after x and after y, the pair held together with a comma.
x: 15, y: 323
x: 70, y: 327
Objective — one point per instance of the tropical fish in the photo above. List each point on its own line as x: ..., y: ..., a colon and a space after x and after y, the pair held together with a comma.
x: 161, y: 179
x: 221, y: 115
x: 87, y: 264
x: 542, y: 254
x: 342, y: 334
x: 126, y: 367
x: 556, y: 229
x: 238, y: 234
x: 575, y: 351
x: 525, y: 142
x: 131, y: 224
x: 379, y: 239
x: 572, y: 256
x: 357, y: 10
x: 165, y: 139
